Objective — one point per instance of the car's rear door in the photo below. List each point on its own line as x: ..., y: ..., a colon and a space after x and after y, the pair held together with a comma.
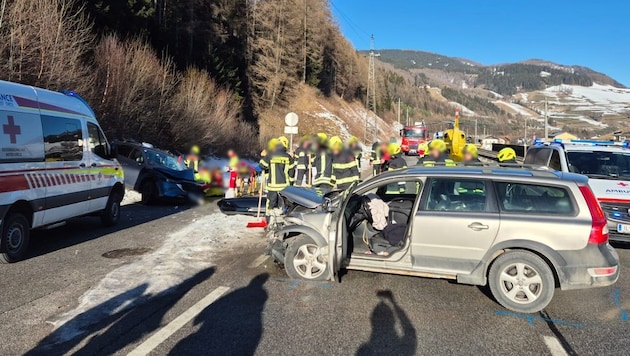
x: 456, y: 223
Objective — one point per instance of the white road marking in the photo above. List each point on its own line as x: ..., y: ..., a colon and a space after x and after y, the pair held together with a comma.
x: 258, y: 261
x: 554, y: 346
x: 156, y: 339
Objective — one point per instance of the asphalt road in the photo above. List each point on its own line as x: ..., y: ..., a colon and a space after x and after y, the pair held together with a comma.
x: 67, y: 298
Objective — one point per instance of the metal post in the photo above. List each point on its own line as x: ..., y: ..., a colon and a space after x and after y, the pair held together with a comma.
x: 290, y: 142
x: 476, y: 137
x: 399, y: 110
x: 546, y: 120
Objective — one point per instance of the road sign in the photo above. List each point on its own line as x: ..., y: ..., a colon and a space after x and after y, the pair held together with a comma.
x: 291, y: 130
x: 291, y: 119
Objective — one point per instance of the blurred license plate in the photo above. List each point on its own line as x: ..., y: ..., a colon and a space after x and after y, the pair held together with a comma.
x: 624, y: 229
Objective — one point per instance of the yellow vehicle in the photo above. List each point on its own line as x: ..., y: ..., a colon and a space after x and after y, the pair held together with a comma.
x: 455, y: 139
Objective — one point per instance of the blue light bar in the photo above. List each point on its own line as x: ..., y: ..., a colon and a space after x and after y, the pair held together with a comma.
x: 594, y: 142
x: 616, y: 214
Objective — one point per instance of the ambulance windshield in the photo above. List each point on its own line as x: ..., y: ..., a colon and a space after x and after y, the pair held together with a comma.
x: 600, y: 164
x: 162, y: 159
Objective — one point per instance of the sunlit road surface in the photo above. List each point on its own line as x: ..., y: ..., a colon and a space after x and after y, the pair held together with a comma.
x: 174, y: 284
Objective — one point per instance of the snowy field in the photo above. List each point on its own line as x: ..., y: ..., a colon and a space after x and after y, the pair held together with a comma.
x: 604, y: 99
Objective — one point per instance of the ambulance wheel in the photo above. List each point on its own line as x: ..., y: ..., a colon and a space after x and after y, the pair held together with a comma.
x: 16, y: 234
x: 149, y: 192
x: 111, y: 214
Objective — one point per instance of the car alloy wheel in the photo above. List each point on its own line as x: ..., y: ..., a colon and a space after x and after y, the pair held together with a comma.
x: 521, y: 283
x: 309, y: 262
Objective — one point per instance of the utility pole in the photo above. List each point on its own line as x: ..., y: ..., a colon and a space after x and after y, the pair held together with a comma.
x: 546, y: 119
x: 476, y: 137
x: 371, y: 94
x: 399, y: 110
x: 305, y: 42
x: 407, y: 121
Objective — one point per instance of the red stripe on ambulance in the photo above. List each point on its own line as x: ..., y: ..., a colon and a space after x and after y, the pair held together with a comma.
x: 13, y: 183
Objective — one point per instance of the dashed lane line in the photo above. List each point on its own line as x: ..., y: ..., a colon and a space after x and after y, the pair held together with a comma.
x: 554, y: 346
x: 156, y: 339
x: 258, y: 261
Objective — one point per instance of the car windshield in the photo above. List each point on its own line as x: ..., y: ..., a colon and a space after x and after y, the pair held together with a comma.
x: 413, y: 133
x: 161, y: 159
x: 600, y: 164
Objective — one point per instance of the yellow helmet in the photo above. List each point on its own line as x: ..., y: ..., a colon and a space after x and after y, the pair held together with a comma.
x: 195, y: 150
x: 284, y: 141
x: 323, y: 138
x: 335, y: 142
x: 393, y: 149
x: 353, y: 140
x: 506, y: 154
x: 470, y: 149
x: 437, y: 144
x: 272, y: 144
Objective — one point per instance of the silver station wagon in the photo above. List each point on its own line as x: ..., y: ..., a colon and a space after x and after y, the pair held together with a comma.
x: 522, y: 232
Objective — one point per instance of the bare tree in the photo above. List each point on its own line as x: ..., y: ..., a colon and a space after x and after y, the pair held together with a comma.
x: 44, y: 42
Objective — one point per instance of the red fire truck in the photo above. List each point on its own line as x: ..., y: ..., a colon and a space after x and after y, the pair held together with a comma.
x: 412, y: 137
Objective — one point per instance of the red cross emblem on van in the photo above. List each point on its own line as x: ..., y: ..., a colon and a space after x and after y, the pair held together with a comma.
x: 622, y: 184
x: 11, y: 129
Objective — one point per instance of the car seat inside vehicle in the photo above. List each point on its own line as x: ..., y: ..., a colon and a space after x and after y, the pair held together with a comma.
x: 365, y: 237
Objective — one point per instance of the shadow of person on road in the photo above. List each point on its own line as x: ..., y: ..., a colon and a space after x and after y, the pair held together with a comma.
x: 384, y: 339
x: 230, y: 326
x: 124, y: 319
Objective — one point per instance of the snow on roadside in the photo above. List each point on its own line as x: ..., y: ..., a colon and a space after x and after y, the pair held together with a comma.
x: 183, y: 254
x: 131, y: 197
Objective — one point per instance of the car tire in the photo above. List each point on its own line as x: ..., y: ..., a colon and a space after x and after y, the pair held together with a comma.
x: 16, y: 235
x: 149, y: 192
x: 303, y: 259
x: 521, y: 281
x: 111, y: 213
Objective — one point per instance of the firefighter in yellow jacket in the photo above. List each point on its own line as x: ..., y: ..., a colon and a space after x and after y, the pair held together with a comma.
x: 344, y: 164
x: 279, y: 168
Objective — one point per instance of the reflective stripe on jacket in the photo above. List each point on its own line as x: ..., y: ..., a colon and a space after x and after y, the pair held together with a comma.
x: 323, y: 163
x: 344, y: 168
x: 280, y: 168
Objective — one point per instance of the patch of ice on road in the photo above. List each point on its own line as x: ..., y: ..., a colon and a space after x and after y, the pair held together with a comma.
x: 183, y: 254
x: 131, y: 197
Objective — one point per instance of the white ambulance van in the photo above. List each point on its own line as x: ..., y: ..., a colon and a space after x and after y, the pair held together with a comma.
x: 55, y: 164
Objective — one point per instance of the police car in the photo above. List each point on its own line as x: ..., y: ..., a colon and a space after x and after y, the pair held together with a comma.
x: 605, y: 163
x: 55, y: 164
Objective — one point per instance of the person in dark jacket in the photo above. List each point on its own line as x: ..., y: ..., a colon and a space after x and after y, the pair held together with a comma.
x: 376, y: 158
x: 470, y: 155
x: 323, y: 164
x: 303, y: 156
x: 344, y: 165
x: 437, y: 155
x: 354, y: 146
x: 279, y: 168
x: 396, y: 160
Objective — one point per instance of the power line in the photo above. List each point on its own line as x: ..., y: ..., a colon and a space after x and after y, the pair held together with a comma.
x: 357, y: 30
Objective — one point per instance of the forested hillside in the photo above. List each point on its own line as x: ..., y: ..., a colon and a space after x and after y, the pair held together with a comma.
x: 181, y: 72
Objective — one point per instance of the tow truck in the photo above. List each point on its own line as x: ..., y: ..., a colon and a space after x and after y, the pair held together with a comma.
x: 412, y: 139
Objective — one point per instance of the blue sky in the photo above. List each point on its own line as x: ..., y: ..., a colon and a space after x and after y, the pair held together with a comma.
x: 593, y: 33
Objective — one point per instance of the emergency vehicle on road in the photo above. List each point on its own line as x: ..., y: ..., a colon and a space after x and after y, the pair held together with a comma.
x: 55, y: 164
x: 605, y: 163
x: 412, y: 139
